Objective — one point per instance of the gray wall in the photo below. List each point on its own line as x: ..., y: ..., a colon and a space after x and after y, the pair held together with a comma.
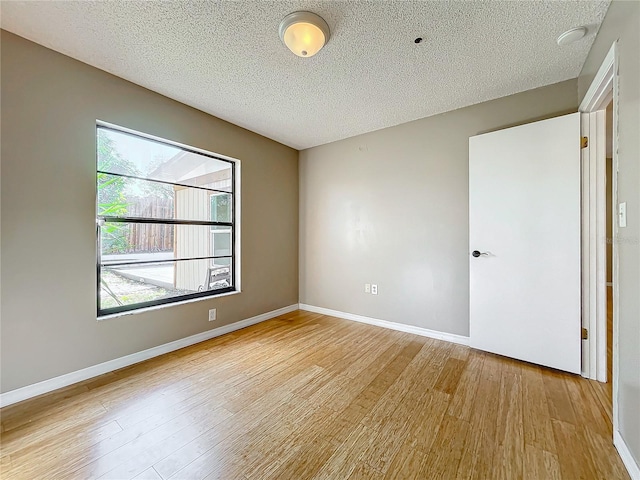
x: 623, y: 22
x: 391, y: 207
x: 50, y: 104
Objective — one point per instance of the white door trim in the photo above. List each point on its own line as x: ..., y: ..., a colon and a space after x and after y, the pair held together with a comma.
x: 600, y: 91
x: 594, y: 260
x: 603, y: 89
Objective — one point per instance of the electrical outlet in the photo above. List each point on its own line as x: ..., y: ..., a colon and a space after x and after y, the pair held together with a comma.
x: 374, y: 289
x: 212, y: 314
x: 367, y: 288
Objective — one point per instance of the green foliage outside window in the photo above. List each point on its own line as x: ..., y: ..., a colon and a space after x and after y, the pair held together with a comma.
x: 111, y: 200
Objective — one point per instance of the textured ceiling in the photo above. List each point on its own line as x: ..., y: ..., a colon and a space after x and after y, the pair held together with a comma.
x: 226, y: 58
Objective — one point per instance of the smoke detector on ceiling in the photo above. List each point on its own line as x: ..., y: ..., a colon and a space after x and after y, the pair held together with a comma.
x: 571, y: 36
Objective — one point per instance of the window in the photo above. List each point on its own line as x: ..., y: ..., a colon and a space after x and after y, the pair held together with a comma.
x: 165, y: 222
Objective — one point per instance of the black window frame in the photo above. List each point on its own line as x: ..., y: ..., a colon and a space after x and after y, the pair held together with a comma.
x: 104, y: 312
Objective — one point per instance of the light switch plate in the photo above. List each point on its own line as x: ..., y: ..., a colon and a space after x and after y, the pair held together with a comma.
x: 367, y: 288
x: 622, y: 215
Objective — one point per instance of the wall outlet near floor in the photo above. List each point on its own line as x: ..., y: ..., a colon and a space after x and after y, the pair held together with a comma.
x: 367, y: 288
x: 374, y: 289
x: 212, y: 314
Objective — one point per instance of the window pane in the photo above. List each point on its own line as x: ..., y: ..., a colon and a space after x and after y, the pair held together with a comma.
x: 219, y: 274
x: 127, y: 154
x: 147, y: 242
x: 130, y: 197
x: 221, y: 207
x: 132, y: 284
x: 221, y: 241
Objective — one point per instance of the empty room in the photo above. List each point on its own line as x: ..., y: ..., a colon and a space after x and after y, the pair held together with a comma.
x: 320, y: 240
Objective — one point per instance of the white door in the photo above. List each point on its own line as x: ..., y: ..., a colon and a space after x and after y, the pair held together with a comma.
x: 524, y: 223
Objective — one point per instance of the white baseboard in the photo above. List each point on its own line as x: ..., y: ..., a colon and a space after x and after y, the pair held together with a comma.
x: 424, y: 332
x: 67, y: 379
x: 627, y: 458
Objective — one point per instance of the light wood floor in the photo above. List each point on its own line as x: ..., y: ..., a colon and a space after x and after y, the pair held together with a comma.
x: 310, y: 396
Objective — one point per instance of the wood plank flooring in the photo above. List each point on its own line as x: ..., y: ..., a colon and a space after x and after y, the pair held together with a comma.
x: 309, y: 396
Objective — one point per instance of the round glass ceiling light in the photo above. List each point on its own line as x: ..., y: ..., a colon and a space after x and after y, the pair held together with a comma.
x: 571, y: 36
x: 304, y: 33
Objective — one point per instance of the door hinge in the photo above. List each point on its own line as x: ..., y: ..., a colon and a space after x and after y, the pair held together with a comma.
x: 584, y: 142
x: 585, y: 334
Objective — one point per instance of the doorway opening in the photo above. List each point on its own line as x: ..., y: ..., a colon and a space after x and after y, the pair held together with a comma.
x: 599, y: 232
x: 609, y: 218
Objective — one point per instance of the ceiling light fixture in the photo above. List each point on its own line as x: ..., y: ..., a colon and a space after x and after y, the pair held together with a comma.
x: 571, y: 36
x: 304, y: 33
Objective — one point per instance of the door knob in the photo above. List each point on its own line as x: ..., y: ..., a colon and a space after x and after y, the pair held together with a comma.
x: 477, y: 254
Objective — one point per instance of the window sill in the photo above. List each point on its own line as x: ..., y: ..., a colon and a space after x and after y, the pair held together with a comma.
x: 166, y: 305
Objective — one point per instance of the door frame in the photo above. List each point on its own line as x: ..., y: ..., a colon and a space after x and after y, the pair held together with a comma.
x: 602, y: 90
